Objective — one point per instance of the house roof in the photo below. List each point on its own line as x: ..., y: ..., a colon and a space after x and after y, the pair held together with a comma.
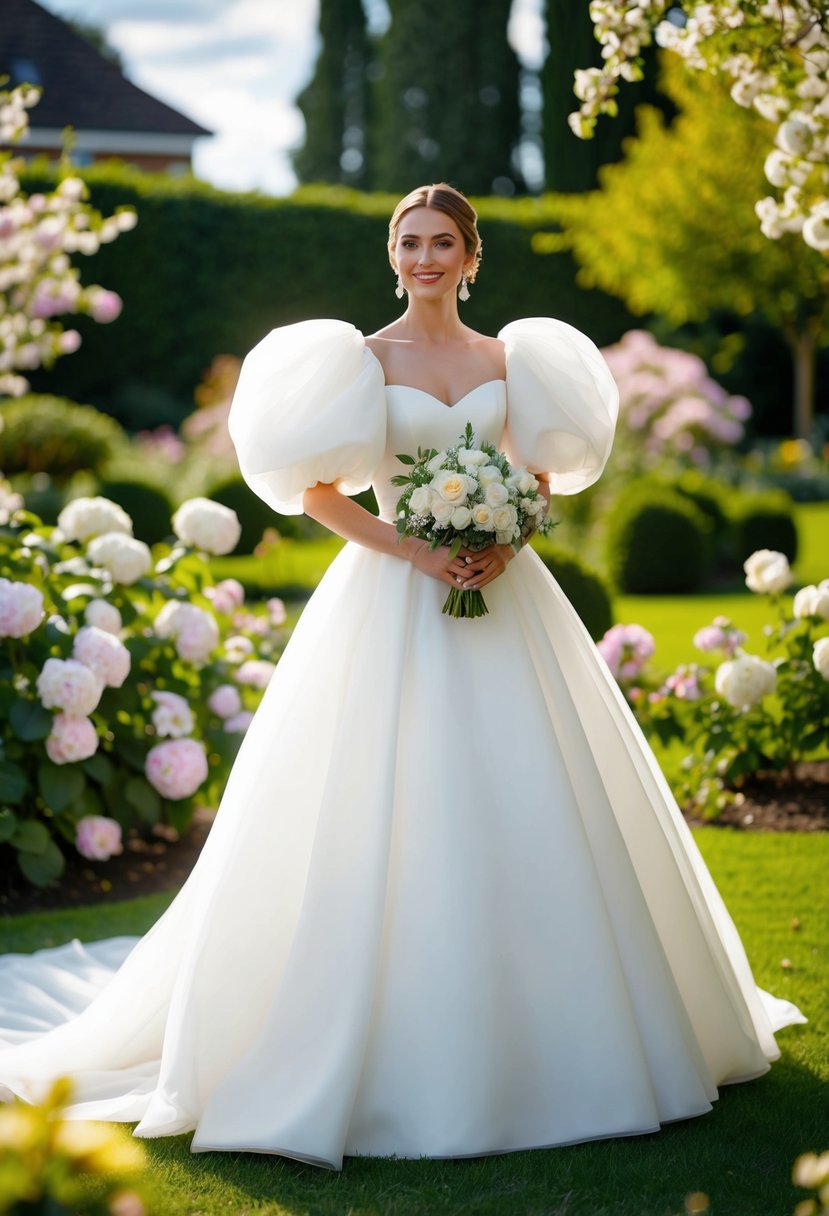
x: 81, y: 88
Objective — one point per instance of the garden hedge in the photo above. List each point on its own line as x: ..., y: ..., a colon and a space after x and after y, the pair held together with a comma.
x: 657, y: 541
x: 44, y: 434
x: 584, y: 588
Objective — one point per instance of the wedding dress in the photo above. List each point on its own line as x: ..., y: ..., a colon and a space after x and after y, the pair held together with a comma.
x: 449, y: 906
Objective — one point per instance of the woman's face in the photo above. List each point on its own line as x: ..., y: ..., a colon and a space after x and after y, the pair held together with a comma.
x: 430, y: 253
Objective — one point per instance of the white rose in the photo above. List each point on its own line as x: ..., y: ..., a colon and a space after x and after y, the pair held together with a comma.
x: 767, y: 571
x: 436, y: 462
x: 744, y: 680
x: 488, y: 474
x: 69, y: 685
x: 505, y: 518
x: 505, y: 538
x: 194, y: 631
x: 207, y: 525
x: 812, y: 601
x: 123, y: 557
x: 461, y: 518
x: 496, y: 494
x: 526, y: 481
x: 820, y: 656
x: 451, y: 487
x: 482, y: 518
x: 443, y: 512
x: 421, y: 500
x: 471, y: 456
x: 105, y: 654
x: 85, y: 517
x: 103, y: 616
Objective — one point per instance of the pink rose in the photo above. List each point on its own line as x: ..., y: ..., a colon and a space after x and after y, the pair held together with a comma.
x: 176, y: 768
x: 225, y: 701
x: 256, y: 672
x: 72, y: 739
x: 226, y: 595
x: 104, y: 653
x: 98, y: 838
x: 21, y: 608
x: 68, y: 685
x: 238, y: 724
x: 626, y: 649
x: 276, y: 609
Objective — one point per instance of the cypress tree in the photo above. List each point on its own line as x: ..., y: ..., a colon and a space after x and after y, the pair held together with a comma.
x: 448, y: 97
x: 335, y: 103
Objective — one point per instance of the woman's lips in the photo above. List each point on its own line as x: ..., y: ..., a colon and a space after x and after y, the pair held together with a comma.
x: 432, y: 277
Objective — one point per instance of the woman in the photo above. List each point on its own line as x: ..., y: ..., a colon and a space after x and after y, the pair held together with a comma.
x: 448, y: 906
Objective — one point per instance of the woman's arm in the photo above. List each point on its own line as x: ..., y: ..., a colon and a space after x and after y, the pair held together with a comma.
x: 324, y: 503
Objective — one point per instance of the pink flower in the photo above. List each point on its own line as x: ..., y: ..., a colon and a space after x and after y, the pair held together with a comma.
x: 225, y: 701
x: 238, y: 647
x: 104, y: 653
x: 72, y: 739
x: 193, y: 630
x: 69, y: 685
x: 21, y: 608
x: 98, y: 838
x: 626, y: 649
x: 226, y: 595
x: 69, y: 341
x: 684, y: 684
x: 176, y: 768
x: 239, y: 723
x: 105, y: 305
x: 256, y: 672
x: 276, y: 609
x: 172, y: 715
x: 720, y: 635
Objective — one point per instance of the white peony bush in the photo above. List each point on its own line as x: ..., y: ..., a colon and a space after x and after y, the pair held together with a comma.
x: 745, y: 680
x: 130, y: 680
x: 207, y: 526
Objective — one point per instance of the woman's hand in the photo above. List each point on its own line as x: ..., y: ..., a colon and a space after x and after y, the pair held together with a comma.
x: 481, y: 567
x: 436, y: 562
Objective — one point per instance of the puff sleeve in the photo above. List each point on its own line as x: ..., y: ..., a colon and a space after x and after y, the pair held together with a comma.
x: 562, y: 402
x: 309, y: 407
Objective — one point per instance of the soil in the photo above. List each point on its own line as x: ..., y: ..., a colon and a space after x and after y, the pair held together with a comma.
x: 772, y: 802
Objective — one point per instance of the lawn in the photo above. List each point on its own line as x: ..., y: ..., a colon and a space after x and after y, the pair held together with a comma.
x: 740, y: 1154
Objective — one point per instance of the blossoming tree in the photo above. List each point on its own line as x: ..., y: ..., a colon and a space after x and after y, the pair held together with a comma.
x: 775, y: 56
x: 38, y: 234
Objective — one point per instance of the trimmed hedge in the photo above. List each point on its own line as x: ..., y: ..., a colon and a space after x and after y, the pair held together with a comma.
x: 657, y: 541
x: 207, y: 272
x: 584, y: 588
x: 44, y: 434
x: 149, y: 508
x: 763, y: 521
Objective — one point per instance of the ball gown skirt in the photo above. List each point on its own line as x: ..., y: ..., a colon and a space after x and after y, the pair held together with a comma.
x: 448, y: 906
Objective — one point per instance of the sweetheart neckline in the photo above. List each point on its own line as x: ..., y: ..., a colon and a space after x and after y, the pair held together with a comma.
x: 425, y: 393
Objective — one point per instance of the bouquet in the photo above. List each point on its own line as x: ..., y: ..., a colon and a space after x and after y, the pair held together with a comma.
x: 468, y: 496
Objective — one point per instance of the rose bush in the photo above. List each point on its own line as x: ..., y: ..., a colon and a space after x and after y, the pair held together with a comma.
x: 748, y: 713
x: 126, y: 682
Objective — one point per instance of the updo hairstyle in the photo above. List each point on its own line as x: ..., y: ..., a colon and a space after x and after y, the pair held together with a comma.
x: 451, y: 202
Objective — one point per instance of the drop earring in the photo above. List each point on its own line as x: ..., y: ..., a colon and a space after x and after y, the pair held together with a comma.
x: 399, y: 290
x: 463, y: 294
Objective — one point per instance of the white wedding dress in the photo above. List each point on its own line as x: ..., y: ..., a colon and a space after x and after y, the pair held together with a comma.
x: 448, y: 906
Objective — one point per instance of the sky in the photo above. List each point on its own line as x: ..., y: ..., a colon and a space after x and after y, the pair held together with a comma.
x: 236, y: 66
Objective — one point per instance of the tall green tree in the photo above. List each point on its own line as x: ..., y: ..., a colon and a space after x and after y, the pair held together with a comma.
x: 571, y: 164
x: 448, y: 97
x: 336, y: 102
x: 673, y: 230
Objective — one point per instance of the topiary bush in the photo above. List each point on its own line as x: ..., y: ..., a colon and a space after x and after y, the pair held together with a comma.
x: 44, y: 434
x: 657, y: 541
x: 585, y: 589
x: 149, y: 508
x: 763, y: 521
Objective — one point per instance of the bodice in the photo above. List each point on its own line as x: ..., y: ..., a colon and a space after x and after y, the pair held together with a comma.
x: 415, y: 418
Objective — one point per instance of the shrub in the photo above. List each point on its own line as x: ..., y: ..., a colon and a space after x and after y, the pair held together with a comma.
x: 149, y: 507
x: 255, y: 516
x: 763, y: 521
x: 657, y: 541
x: 43, y: 434
x: 584, y: 588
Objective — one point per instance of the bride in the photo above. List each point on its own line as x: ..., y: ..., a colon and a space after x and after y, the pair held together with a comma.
x: 448, y: 906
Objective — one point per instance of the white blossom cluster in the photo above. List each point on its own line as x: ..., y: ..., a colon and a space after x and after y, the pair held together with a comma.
x: 775, y: 54
x: 38, y: 282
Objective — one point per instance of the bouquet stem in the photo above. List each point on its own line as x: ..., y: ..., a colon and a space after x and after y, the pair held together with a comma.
x: 465, y: 603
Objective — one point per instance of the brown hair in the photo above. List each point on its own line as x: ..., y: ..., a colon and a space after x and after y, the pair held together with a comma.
x: 445, y: 198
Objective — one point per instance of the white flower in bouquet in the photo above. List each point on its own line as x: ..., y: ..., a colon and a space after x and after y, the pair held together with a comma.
x: 496, y: 494
x: 470, y: 457
x: 225, y: 701
x: 105, y: 654
x: 482, y: 519
x: 421, y: 500
x: 69, y: 685
x: 124, y: 558
x: 72, y: 738
x: 461, y: 518
x: 193, y: 630
x: 207, y: 525
x: 103, y: 615
x: 820, y: 657
x: 767, y: 571
x: 442, y: 513
x: 83, y: 518
x: 812, y: 601
x: 453, y: 487
x: 98, y: 838
x: 506, y: 524
x: 489, y: 474
x: 745, y: 680
x: 436, y: 463
x: 172, y: 716
x: 21, y: 608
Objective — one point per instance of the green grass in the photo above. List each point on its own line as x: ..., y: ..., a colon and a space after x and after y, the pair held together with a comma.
x: 740, y: 1154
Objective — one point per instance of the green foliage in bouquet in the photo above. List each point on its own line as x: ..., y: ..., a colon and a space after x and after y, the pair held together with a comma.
x: 122, y: 699
x: 65, y: 1167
